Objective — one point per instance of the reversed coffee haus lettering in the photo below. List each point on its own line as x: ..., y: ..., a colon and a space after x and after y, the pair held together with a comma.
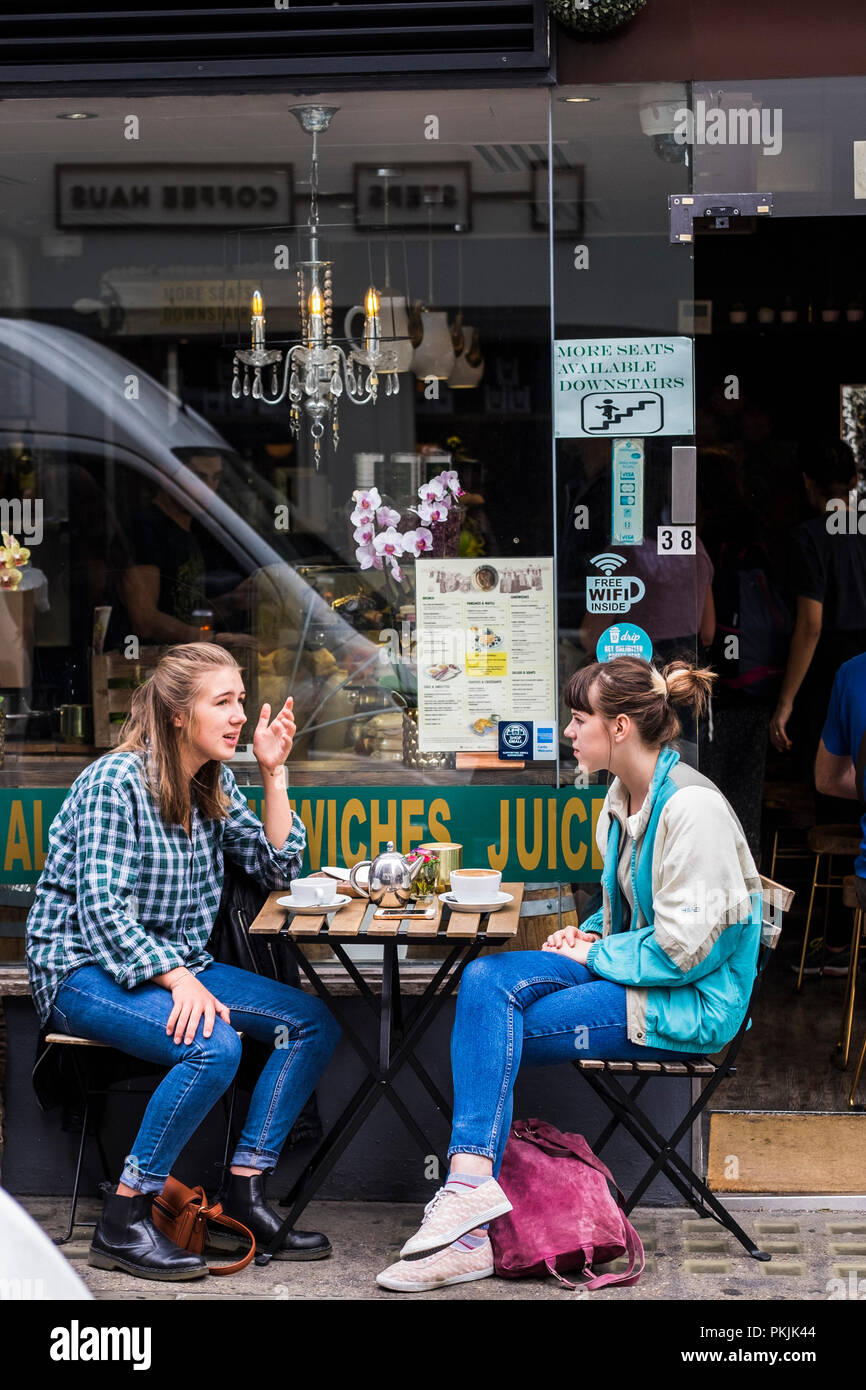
x: 173, y: 195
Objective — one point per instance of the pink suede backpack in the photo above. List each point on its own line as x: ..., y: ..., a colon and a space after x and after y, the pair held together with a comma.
x: 564, y: 1216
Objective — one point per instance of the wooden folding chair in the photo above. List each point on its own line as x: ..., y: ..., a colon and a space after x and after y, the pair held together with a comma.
x: 706, y: 1076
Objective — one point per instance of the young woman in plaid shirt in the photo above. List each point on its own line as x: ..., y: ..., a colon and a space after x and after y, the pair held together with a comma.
x: 116, y: 944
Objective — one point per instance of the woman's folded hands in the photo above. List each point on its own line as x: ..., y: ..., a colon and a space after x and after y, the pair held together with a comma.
x: 572, y: 942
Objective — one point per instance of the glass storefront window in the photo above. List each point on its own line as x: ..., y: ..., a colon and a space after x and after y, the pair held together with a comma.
x: 799, y: 139
x: 130, y: 266
x: 165, y: 508
x: 633, y: 573
x: 622, y: 295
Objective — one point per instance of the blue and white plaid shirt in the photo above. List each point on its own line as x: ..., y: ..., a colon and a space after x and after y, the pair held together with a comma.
x: 123, y: 890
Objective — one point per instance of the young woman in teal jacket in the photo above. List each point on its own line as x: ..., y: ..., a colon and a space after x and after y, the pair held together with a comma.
x: 662, y: 971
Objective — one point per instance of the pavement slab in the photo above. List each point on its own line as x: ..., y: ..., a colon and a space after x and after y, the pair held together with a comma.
x: 816, y: 1255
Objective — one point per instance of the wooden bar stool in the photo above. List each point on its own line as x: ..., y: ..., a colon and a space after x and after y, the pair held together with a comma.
x: 850, y: 899
x: 794, y: 804
x: 827, y: 840
x: 855, y: 1083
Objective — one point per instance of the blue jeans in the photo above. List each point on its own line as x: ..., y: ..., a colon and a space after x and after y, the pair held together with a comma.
x: 534, y: 1007
x: 299, y: 1028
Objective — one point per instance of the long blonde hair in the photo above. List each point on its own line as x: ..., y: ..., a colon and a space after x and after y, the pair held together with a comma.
x: 172, y: 689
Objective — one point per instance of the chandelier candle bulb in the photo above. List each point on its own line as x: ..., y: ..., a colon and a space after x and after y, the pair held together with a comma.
x: 257, y: 321
x: 371, y: 321
x: 316, y: 306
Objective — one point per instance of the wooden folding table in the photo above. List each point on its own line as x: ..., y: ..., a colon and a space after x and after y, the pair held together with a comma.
x: 401, y: 1024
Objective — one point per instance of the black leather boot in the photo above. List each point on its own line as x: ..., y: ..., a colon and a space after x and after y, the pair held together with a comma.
x: 126, y: 1238
x: 244, y: 1199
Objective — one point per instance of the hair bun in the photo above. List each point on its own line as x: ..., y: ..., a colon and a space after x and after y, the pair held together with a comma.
x: 689, y: 685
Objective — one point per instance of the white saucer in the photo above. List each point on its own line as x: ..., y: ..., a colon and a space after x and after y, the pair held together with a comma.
x: 314, y: 909
x: 501, y: 900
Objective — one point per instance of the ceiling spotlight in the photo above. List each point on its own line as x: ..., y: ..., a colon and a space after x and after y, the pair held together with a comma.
x: 78, y: 116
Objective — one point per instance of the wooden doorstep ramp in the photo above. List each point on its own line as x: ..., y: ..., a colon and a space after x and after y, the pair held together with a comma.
x: 779, y: 1152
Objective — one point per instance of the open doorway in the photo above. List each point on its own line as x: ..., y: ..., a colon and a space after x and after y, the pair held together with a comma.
x: 784, y: 333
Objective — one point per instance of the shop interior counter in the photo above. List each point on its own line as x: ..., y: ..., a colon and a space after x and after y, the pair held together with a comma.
x: 58, y: 765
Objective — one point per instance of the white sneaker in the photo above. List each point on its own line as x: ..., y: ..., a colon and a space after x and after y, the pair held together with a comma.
x: 452, y: 1212
x: 453, y: 1265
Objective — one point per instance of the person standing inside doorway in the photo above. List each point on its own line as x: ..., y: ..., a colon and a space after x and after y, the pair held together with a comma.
x: 840, y: 764
x: 828, y: 580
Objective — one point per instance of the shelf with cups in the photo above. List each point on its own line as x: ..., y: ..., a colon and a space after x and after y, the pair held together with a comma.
x: 22, y: 749
x: 57, y: 765
x: 44, y: 765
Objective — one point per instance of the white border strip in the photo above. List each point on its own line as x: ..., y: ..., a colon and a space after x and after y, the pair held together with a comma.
x: 835, y: 1201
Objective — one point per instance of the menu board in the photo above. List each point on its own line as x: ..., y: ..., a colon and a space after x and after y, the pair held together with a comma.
x: 485, y: 650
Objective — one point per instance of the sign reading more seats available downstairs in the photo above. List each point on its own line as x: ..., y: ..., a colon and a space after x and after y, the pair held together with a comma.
x: 609, y: 387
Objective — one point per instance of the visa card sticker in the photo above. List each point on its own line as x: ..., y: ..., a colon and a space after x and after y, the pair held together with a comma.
x: 626, y: 524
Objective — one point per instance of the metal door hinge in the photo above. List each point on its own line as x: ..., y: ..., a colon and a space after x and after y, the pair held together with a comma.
x: 722, y: 207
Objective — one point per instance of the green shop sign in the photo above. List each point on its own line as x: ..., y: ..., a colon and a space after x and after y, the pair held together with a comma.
x: 533, y: 834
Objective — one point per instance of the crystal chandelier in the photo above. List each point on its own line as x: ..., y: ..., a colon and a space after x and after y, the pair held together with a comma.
x: 317, y: 372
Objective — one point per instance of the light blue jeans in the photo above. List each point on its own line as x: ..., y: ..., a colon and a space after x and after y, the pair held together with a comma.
x: 298, y: 1027
x: 532, y: 1007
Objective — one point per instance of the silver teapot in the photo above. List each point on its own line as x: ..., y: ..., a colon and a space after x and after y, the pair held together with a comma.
x: 390, y: 880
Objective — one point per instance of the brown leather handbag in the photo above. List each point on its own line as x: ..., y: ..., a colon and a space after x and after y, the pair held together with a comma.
x: 182, y: 1213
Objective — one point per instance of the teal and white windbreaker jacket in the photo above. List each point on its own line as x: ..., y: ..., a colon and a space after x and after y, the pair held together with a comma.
x: 688, y: 955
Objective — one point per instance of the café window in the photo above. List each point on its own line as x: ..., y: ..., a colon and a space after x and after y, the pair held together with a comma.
x: 396, y: 574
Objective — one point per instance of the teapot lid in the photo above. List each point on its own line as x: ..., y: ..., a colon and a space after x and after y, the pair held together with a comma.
x: 389, y: 852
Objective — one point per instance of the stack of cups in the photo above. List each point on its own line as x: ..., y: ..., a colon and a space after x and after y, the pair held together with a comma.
x: 434, y: 461
x: 403, y: 477
x: 365, y: 469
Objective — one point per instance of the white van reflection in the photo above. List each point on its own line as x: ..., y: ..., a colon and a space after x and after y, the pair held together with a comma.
x: 114, y: 458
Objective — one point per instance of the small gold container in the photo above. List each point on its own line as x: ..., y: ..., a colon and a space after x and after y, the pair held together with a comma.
x: 450, y: 858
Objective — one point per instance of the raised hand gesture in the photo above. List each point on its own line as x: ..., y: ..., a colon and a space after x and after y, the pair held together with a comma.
x: 272, y: 743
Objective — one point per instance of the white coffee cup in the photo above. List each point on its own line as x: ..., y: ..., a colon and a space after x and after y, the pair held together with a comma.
x: 475, y: 885
x: 307, y: 891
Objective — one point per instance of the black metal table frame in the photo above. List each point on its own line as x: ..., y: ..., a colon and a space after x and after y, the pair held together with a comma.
x: 398, y: 1036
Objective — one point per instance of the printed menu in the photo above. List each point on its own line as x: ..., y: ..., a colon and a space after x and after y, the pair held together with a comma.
x: 485, y: 650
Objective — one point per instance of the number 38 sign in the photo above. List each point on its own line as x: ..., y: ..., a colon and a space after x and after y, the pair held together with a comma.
x: 676, y: 540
